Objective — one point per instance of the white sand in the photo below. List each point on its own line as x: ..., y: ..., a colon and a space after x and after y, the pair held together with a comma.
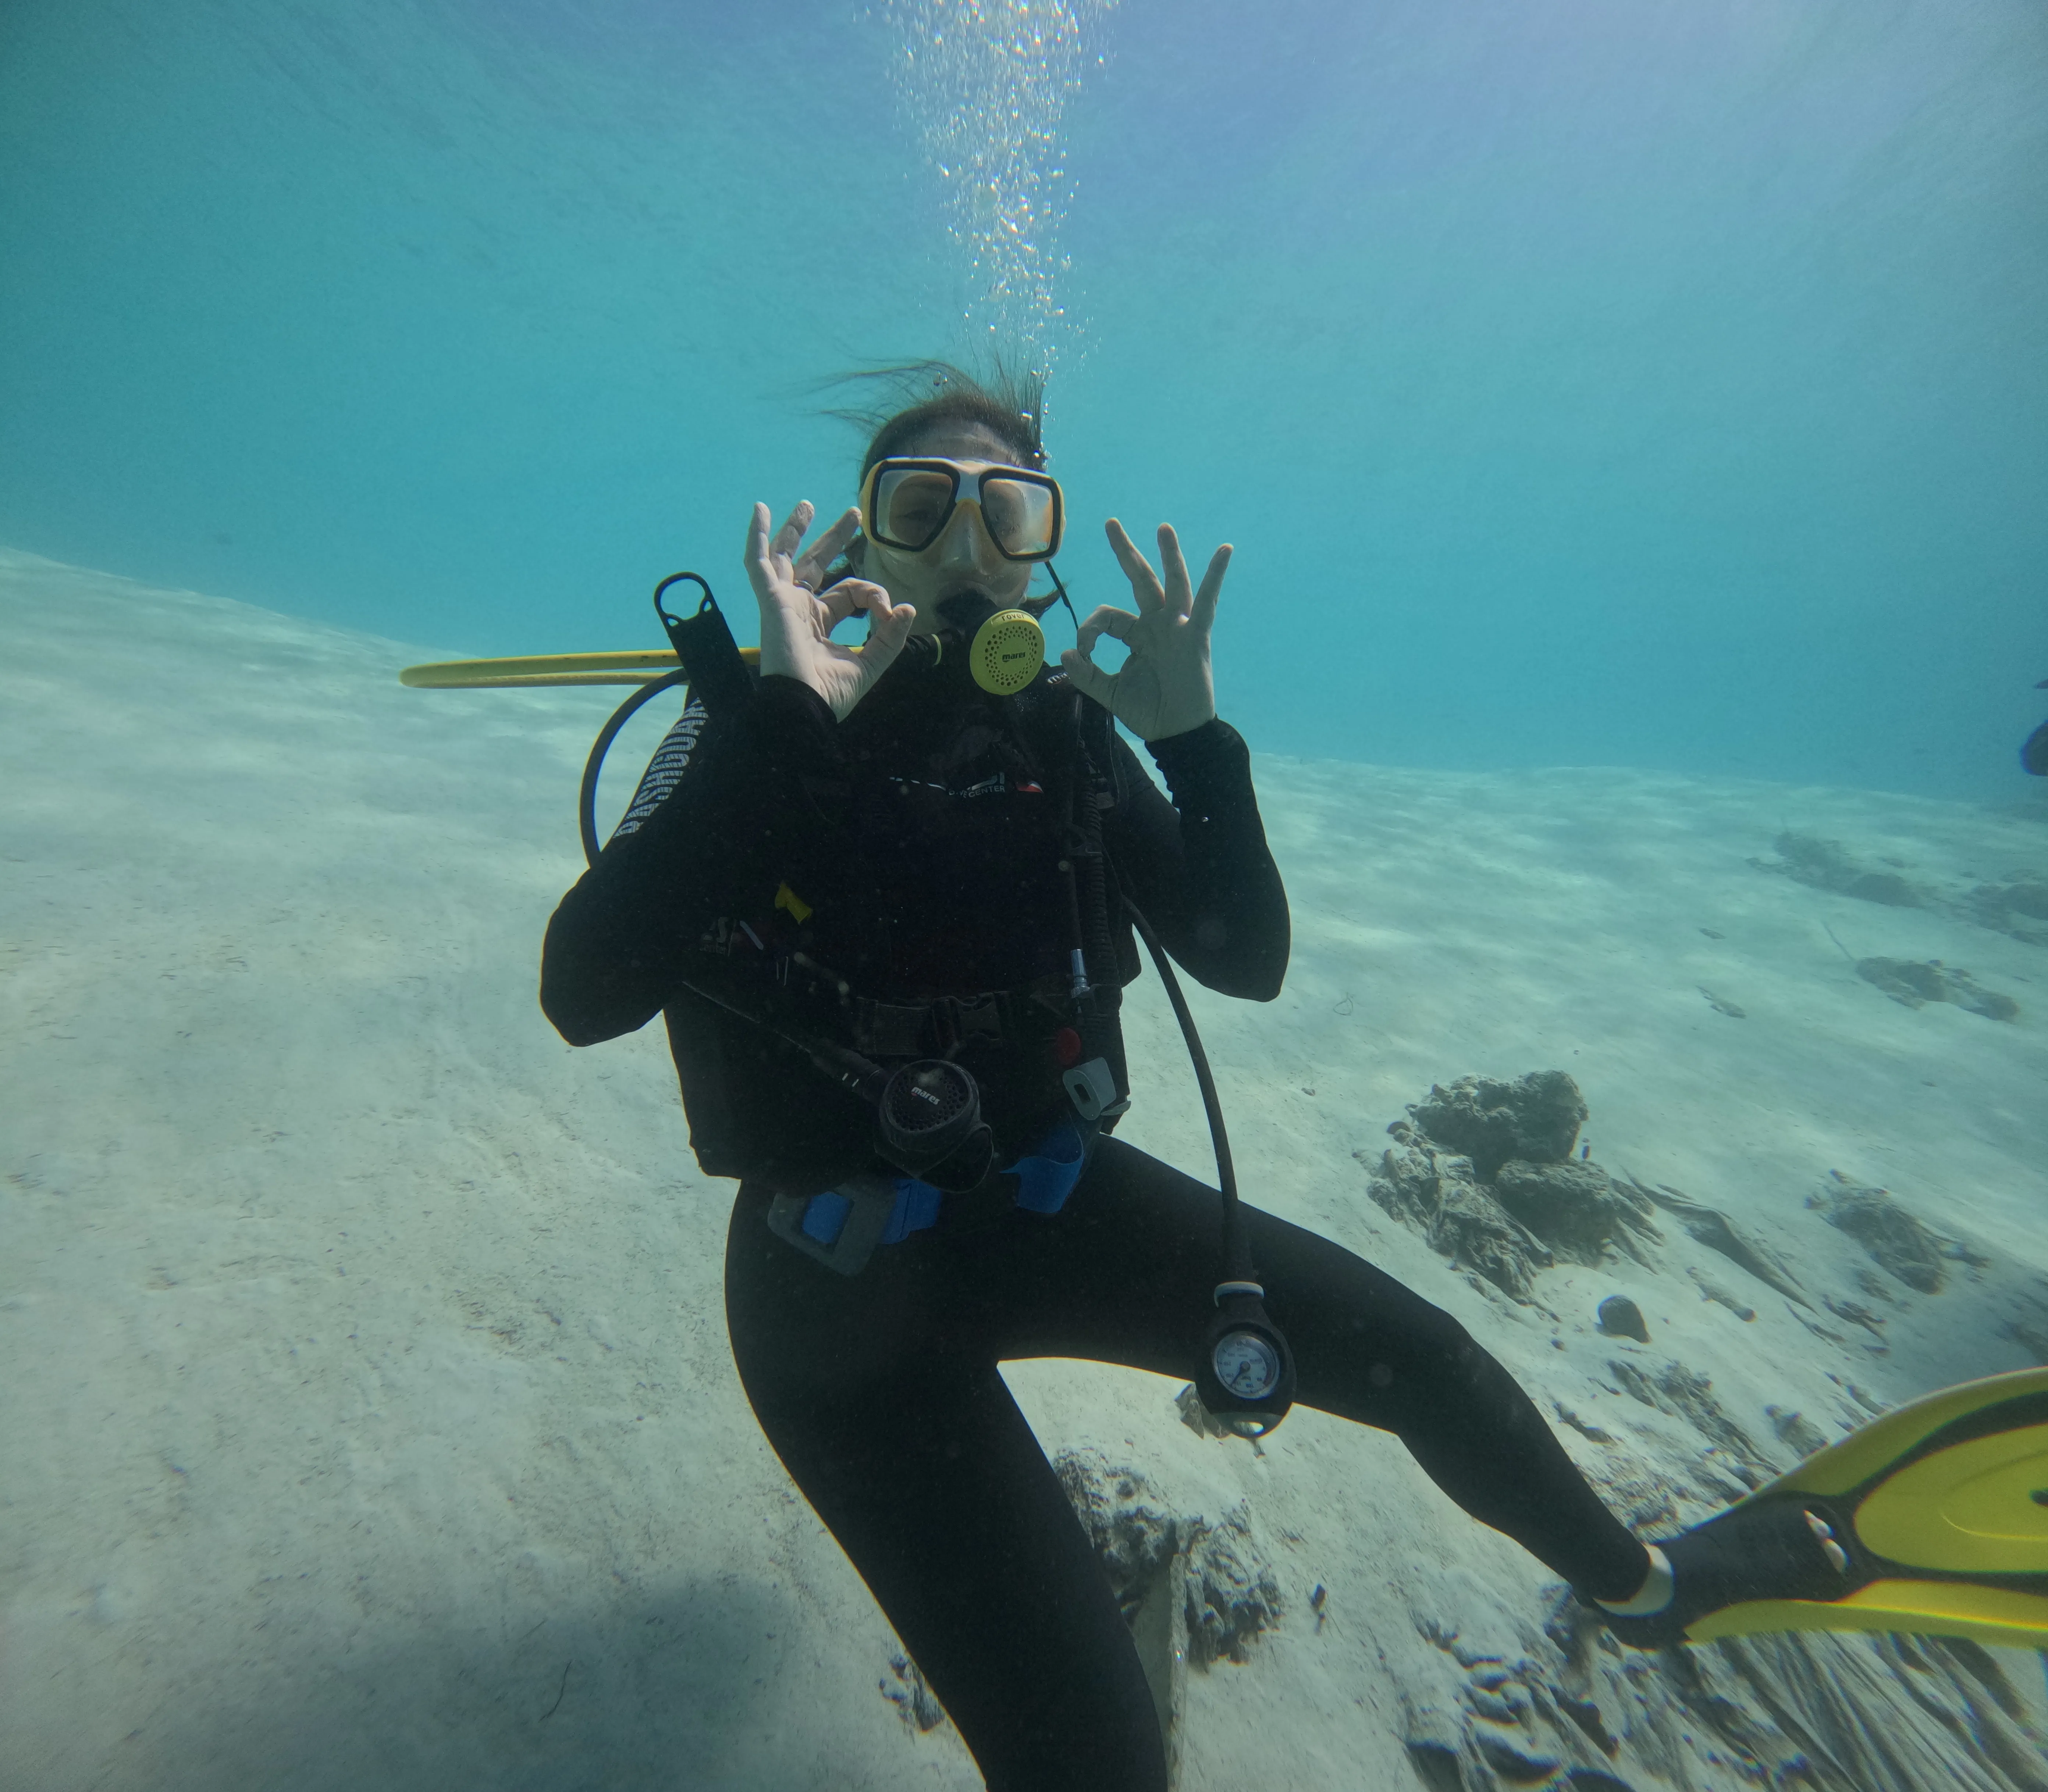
x: 366, y: 1369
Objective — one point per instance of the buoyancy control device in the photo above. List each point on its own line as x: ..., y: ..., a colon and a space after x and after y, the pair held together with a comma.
x: 927, y: 1111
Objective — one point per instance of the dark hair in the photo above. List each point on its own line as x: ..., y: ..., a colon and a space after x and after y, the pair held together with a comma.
x: 1008, y: 405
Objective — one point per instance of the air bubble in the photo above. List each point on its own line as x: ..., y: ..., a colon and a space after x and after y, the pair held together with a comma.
x: 988, y: 103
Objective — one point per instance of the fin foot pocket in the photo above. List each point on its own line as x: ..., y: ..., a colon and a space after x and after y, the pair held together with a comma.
x: 1930, y: 1520
x: 1785, y: 1551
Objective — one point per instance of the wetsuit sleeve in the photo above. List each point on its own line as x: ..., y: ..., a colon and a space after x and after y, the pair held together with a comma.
x: 1198, y: 866
x: 757, y: 805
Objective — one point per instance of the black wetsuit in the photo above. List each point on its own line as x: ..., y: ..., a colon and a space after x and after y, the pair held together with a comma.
x: 920, y: 838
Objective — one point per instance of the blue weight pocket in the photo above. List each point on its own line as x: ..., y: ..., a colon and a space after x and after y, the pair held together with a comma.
x: 824, y: 1217
x: 1047, y: 1175
x: 916, y: 1210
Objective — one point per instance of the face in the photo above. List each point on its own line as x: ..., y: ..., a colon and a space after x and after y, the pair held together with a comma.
x: 962, y: 559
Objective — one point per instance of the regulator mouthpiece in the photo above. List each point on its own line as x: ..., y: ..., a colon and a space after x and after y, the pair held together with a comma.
x: 1007, y: 648
x: 1007, y: 653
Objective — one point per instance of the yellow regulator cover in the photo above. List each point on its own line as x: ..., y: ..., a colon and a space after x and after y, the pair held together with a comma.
x: 1007, y: 652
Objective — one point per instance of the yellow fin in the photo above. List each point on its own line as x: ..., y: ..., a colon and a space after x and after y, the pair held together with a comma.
x: 1979, y: 1507
x: 1866, y: 1452
x: 1918, y: 1607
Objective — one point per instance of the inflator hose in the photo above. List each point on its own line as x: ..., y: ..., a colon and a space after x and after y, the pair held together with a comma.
x: 587, y: 798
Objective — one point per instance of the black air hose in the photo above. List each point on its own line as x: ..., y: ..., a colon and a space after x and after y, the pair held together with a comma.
x: 586, y: 797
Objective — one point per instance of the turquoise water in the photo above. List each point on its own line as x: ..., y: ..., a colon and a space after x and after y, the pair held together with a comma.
x: 1603, y: 383
x: 1649, y: 389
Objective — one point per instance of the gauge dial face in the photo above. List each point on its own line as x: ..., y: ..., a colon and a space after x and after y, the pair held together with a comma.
x: 1246, y: 1365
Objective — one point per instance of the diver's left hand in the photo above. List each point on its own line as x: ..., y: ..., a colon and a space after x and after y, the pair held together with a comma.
x: 1165, y: 687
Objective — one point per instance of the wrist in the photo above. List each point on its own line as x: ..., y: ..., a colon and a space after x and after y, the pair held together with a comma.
x: 1172, y: 727
x: 1200, y: 752
x: 777, y: 661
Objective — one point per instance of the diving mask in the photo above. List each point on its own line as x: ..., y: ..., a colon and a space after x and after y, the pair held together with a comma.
x: 905, y: 504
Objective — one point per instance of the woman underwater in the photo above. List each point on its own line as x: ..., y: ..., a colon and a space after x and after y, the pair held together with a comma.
x: 874, y: 851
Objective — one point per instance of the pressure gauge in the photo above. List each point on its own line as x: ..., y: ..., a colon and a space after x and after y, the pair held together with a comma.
x: 1246, y: 1365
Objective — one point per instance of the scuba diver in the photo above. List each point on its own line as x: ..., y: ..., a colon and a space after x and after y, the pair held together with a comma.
x: 2033, y: 753
x: 888, y: 911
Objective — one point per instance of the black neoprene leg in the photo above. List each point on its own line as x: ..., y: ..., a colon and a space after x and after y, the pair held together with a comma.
x: 881, y: 1394
x: 893, y: 1419
x: 1132, y: 1283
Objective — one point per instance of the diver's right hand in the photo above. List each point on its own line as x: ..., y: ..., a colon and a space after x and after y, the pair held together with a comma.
x: 796, y: 622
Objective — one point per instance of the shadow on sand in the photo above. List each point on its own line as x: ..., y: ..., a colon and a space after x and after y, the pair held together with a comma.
x: 672, y: 1691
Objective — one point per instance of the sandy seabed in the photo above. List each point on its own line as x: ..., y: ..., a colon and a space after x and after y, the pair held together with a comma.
x: 367, y: 1410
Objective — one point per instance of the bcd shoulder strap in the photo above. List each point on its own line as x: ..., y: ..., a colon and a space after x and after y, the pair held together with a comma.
x: 718, y: 676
